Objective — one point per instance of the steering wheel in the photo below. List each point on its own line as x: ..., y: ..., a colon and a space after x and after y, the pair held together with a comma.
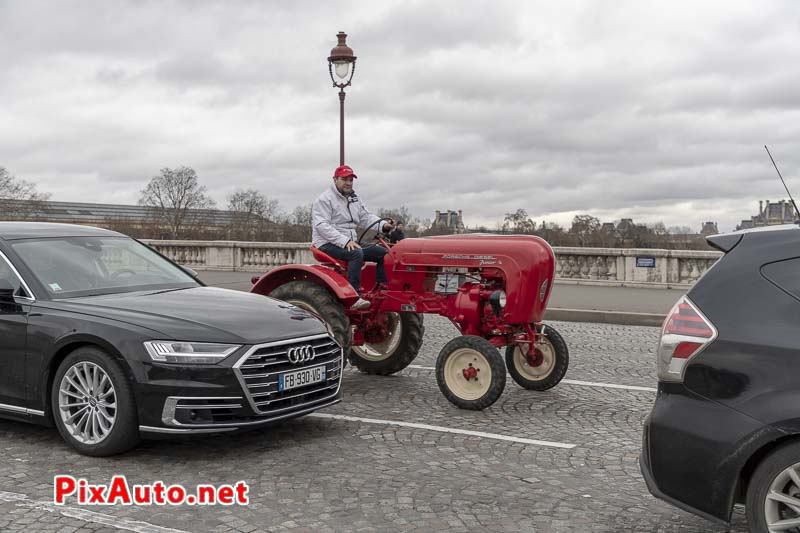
x: 376, y: 236
x: 118, y: 273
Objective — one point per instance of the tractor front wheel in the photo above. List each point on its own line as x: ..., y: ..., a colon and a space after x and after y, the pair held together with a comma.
x: 542, y: 369
x: 470, y: 372
x: 393, y: 340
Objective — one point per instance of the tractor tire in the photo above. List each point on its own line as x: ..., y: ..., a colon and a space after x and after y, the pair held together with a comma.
x: 394, y: 353
x: 320, y: 301
x: 548, y: 368
x: 463, y: 387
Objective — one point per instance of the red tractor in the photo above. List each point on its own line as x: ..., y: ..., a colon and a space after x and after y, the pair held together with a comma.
x: 493, y: 288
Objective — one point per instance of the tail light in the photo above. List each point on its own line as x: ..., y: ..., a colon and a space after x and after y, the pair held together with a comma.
x: 686, y: 332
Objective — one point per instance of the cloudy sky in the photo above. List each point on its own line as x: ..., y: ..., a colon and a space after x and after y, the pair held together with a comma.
x: 652, y: 110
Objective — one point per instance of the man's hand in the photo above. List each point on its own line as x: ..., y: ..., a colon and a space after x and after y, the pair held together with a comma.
x: 350, y: 246
x: 388, y: 226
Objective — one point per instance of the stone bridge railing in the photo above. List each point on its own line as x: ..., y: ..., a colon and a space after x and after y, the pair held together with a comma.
x: 601, y: 266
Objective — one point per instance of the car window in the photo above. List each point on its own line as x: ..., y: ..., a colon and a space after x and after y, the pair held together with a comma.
x: 8, y: 279
x: 81, y: 266
x: 784, y: 274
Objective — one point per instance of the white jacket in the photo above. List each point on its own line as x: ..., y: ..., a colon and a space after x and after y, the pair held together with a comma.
x: 335, y: 218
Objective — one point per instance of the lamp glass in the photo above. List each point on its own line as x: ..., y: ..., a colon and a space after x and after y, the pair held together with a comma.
x: 342, y: 69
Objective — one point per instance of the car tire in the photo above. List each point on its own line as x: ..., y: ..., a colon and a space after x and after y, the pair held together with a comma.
x: 391, y: 356
x: 93, y: 404
x: 773, y: 474
x: 552, y: 356
x: 320, y: 301
x: 477, y: 391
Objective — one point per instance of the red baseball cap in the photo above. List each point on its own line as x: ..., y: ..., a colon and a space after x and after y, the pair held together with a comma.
x: 343, y: 171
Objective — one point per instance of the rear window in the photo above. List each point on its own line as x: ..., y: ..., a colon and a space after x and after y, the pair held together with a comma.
x: 785, y: 274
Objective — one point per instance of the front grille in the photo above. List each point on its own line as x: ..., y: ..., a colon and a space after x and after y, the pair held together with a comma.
x: 259, y: 372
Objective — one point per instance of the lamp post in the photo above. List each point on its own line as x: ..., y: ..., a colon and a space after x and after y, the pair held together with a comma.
x: 343, y: 62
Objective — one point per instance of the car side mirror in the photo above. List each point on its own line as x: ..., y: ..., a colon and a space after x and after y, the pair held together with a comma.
x: 189, y: 271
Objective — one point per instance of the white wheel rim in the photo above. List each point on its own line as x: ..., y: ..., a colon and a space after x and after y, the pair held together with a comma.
x: 459, y: 385
x: 87, y: 403
x: 541, y: 371
x: 782, y: 504
x: 385, y: 349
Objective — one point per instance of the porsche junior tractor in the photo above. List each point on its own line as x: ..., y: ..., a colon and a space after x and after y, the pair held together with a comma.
x: 493, y: 288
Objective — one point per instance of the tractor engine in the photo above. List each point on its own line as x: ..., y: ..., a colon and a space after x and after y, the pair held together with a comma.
x: 474, y: 298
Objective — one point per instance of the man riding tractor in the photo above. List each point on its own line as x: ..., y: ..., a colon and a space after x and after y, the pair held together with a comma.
x: 336, y: 216
x: 493, y: 288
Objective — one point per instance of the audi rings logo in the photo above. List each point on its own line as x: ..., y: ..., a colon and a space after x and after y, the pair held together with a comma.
x: 301, y: 354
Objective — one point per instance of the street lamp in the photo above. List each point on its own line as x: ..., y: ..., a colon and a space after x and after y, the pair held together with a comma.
x: 343, y: 62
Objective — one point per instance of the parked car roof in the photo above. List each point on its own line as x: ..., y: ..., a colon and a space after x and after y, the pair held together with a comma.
x: 27, y: 230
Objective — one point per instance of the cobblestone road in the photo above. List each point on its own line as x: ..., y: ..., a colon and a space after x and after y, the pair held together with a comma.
x: 326, y: 474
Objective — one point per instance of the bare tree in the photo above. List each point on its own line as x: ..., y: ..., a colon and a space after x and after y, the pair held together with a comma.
x: 297, y: 224
x: 302, y: 215
x: 413, y: 226
x: 252, y: 211
x: 19, y: 199
x: 518, y: 222
x: 585, y: 228
x: 175, y: 197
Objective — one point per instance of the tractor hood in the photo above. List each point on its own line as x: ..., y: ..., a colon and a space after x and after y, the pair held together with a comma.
x: 527, y: 263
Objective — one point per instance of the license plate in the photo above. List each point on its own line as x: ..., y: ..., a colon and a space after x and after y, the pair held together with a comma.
x: 300, y: 378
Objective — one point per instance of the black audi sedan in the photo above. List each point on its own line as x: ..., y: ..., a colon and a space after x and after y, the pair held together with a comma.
x: 110, y: 341
x: 725, y: 427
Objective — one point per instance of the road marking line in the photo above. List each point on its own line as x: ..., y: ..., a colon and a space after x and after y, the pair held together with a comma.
x: 441, y: 429
x: 572, y: 382
x: 608, y: 385
x: 86, y: 516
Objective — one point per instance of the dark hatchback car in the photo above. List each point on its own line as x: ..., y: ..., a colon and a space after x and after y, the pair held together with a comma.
x: 725, y: 427
x: 108, y: 340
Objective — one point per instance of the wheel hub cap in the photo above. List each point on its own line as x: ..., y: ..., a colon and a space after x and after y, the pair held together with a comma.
x: 536, y: 358
x: 467, y: 374
x: 470, y: 373
x: 87, y: 402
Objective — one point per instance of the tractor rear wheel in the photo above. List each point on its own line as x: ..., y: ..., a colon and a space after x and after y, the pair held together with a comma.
x: 320, y: 301
x: 470, y: 372
x: 392, y: 344
x: 544, y: 368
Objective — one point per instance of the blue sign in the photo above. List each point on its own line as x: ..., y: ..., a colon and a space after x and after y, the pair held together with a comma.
x: 646, y: 262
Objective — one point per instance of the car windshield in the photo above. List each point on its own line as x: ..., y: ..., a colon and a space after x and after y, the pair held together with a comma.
x: 70, y: 267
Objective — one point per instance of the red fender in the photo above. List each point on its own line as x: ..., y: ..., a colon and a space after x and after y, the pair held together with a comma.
x: 321, y: 275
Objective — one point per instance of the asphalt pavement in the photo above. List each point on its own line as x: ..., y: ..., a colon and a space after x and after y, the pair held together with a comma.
x: 395, y: 455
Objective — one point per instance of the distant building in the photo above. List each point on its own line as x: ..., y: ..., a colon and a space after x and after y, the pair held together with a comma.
x: 128, y: 219
x: 98, y: 214
x: 449, y: 221
x: 626, y: 224
x: 608, y: 227
x: 770, y: 214
x: 709, y: 228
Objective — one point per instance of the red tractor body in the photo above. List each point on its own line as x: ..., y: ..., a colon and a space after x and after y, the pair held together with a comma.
x: 492, y: 287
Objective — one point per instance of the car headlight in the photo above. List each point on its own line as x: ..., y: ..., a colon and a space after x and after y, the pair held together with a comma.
x: 189, y: 352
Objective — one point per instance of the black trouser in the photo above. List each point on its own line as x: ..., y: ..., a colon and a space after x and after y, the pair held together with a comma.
x: 355, y: 260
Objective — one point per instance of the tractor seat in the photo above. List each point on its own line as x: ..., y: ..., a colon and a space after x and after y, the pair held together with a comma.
x: 325, y: 259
